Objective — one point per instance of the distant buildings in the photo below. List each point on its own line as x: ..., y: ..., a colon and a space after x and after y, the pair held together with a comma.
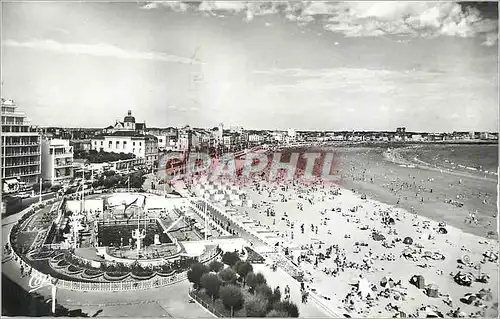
x: 291, y: 136
x: 57, y: 161
x: 127, y: 137
x: 20, y: 149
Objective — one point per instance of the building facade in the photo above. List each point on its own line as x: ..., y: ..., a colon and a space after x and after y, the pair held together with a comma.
x: 127, y: 137
x: 20, y: 149
x: 57, y: 161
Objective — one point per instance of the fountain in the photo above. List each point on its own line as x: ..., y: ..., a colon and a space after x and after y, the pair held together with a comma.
x: 138, y: 235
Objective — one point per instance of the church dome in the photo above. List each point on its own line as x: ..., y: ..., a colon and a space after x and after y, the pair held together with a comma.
x: 129, y: 118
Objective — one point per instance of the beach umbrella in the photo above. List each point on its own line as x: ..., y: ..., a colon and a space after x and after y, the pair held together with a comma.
x: 408, y: 241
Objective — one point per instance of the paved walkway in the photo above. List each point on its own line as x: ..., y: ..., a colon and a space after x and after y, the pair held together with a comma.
x: 170, y: 301
x: 280, y: 278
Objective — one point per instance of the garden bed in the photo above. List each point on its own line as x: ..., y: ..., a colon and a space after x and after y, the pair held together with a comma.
x: 91, y: 274
x: 41, y: 255
x: 73, y: 270
x: 115, y: 276
x: 167, y: 274
x: 143, y: 276
x: 57, y: 258
x: 62, y: 264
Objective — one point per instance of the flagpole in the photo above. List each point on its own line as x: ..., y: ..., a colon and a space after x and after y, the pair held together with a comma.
x: 206, y: 222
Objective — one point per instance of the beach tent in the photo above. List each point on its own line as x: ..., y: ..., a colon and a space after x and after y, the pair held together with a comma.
x: 408, y: 241
x: 432, y: 291
x: 442, y: 230
x: 462, y: 279
x: 418, y: 281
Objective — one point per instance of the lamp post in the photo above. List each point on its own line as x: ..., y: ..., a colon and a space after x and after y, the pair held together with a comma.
x: 40, y: 191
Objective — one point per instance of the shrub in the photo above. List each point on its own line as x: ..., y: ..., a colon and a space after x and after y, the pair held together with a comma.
x: 288, y: 307
x: 275, y: 313
x: 256, y: 306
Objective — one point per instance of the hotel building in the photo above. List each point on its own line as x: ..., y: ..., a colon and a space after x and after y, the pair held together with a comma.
x: 20, y: 149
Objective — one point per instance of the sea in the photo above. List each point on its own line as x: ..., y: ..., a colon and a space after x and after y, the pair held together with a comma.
x: 473, y: 157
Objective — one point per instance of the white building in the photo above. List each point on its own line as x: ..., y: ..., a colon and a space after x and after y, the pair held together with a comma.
x: 291, y: 136
x: 255, y: 138
x: 128, y: 137
x: 416, y: 137
x: 278, y: 136
x: 57, y: 161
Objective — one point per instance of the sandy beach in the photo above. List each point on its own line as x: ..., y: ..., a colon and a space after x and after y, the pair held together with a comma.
x: 333, y: 221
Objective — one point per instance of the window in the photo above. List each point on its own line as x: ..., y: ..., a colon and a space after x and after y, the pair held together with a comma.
x: 101, y: 143
x: 124, y: 144
x: 140, y: 143
x: 133, y: 143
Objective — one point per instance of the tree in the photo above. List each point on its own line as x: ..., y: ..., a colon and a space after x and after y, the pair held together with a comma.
x: 243, y: 268
x: 228, y: 276
x: 111, y: 181
x: 276, y: 296
x: 109, y: 173
x: 215, y: 266
x: 264, y: 291
x: 277, y: 313
x: 211, y: 283
x: 256, y: 306
x: 253, y: 280
x: 194, y: 274
x: 230, y: 258
x: 231, y: 297
x: 288, y: 307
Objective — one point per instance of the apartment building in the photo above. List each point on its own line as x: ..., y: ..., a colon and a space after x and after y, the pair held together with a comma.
x: 57, y: 161
x: 20, y: 149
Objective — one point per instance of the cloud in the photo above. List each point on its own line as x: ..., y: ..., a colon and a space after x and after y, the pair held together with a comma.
x: 101, y: 50
x: 490, y: 39
x: 361, y: 19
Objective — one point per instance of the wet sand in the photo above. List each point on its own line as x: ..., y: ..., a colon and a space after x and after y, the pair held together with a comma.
x: 357, y: 167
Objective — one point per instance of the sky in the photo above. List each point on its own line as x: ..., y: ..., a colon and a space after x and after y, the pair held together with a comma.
x: 427, y: 66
